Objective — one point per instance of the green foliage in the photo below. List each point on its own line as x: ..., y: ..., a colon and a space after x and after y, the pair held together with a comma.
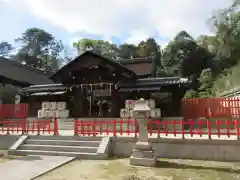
x: 5, y: 48
x: 211, y: 62
x: 101, y: 47
x: 39, y: 49
x: 124, y: 51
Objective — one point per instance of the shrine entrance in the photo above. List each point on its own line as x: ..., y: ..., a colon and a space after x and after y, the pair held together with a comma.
x: 96, y: 99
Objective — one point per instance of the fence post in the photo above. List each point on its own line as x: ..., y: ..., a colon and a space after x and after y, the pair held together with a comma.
x: 24, y: 126
x: 183, y: 129
x: 209, y: 129
x: 55, y: 126
x: 237, y: 129
x: 38, y: 127
x: 75, y: 127
x: 114, y: 127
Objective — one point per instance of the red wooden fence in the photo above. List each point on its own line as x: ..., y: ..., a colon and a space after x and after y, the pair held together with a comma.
x: 24, y: 126
x: 211, y: 107
x: 13, y: 110
x: 156, y: 127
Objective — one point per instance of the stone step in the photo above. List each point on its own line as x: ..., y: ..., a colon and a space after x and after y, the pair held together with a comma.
x: 58, y: 148
x: 59, y: 153
x: 63, y: 142
x: 66, y: 120
x: 78, y: 138
x: 65, y: 125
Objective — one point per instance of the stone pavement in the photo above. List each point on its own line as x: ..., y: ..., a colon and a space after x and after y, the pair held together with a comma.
x: 30, y: 167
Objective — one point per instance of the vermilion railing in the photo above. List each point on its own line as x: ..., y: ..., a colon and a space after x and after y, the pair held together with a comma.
x: 104, y: 127
x: 35, y: 127
x: 211, y: 107
x: 13, y: 110
x: 158, y: 128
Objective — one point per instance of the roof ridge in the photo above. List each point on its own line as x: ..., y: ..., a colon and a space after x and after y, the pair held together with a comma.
x: 27, y: 67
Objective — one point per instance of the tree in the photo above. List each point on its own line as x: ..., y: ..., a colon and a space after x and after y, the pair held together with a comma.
x: 206, y: 82
x: 147, y: 48
x: 5, y: 48
x: 156, y: 63
x: 226, y: 24
x: 127, y: 51
x: 99, y: 46
x: 184, y: 57
x: 38, y: 43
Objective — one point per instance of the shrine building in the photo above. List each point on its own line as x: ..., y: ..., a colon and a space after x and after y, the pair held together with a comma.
x: 91, y: 79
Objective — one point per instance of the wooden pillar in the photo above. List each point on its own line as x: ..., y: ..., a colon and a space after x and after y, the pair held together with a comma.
x: 176, y: 101
x: 78, y: 103
x: 114, y: 102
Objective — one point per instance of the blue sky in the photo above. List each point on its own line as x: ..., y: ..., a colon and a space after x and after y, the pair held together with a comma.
x: 117, y: 21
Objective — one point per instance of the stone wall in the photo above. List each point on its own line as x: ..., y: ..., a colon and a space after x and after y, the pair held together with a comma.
x: 217, y: 150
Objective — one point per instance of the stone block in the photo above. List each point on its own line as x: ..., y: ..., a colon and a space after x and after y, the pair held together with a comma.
x: 143, y: 154
x: 151, y: 162
x: 41, y: 114
x: 53, y: 105
x: 45, y: 105
x: 61, y: 105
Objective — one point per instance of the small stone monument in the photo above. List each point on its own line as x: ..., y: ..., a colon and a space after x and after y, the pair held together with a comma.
x: 143, y: 153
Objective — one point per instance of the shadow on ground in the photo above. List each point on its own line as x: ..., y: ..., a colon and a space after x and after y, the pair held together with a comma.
x: 176, y: 165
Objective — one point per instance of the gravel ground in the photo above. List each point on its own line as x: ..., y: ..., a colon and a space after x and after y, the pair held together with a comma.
x: 115, y: 169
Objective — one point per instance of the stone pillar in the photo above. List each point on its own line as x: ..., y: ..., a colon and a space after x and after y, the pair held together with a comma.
x: 143, y: 154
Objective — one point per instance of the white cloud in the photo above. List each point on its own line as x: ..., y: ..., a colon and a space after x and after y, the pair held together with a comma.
x: 136, y: 19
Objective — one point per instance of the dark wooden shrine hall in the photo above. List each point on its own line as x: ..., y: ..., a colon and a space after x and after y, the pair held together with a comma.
x: 92, y: 78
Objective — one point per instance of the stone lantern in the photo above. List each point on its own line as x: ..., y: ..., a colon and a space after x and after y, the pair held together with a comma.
x: 143, y: 153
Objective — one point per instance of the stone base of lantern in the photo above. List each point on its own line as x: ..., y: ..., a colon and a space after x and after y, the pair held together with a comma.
x: 143, y: 155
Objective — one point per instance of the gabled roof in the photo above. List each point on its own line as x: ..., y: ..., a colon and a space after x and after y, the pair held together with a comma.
x: 23, y: 74
x: 141, y: 66
x: 115, y: 64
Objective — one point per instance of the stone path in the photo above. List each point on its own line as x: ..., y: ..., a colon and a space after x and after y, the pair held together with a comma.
x: 29, y: 167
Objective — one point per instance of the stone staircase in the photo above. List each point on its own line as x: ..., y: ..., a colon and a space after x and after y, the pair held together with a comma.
x: 72, y: 146
x: 66, y: 124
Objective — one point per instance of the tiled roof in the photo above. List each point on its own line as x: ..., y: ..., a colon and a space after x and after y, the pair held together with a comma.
x: 21, y: 73
x: 44, y: 88
x: 150, y: 83
x: 113, y: 63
